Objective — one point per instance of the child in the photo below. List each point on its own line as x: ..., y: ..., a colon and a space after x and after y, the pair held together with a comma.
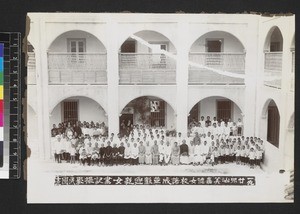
x: 251, y: 158
x: 227, y: 154
x: 237, y: 155
x: 247, y: 150
x: 83, y: 156
x: 258, y: 156
x: 243, y: 155
x: 232, y: 154
x: 222, y: 153
x: 216, y: 153
x: 72, y: 153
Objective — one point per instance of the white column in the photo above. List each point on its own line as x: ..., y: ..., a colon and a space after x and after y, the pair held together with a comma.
x: 45, y: 81
x: 182, y: 73
x: 112, y: 78
x: 42, y: 91
x: 39, y: 97
x: 285, y: 89
x: 251, y: 74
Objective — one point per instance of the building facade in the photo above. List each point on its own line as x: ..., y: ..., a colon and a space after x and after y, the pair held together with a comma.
x: 91, y: 67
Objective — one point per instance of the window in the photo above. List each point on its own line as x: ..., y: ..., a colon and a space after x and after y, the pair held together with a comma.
x: 77, y: 47
x: 159, y: 60
x: 223, y: 110
x: 70, y: 111
x: 158, y: 114
x: 214, y: 47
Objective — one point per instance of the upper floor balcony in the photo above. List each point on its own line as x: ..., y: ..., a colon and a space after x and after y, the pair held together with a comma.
x: 273, y: 69
x: 230, y: 62
x: 139, y: 63
x: 273, y: 58
x: 217, y: 51
x: 146, y: 68
x: 77, y: 68
x: 77, y: 57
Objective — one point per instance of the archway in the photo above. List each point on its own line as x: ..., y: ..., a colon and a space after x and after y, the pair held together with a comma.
x: 150, y: 111
x: 219, y: 50
x: 274, y: 40
x: 78, y: 108
x: 273, y: 58
x: 77, y: 57
x: 270, y: 124
x: 215, y: 107
x: 141, y: 63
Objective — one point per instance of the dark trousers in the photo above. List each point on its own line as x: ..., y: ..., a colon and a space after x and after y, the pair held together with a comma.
x: 134, y: 161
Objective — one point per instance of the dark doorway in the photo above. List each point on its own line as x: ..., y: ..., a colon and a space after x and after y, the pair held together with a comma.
x: 214, y: 45
x: 194, y: 115
x: 128, y: 47
x: 273, y: 125
x: 223, y: 110
x: 126, y: 121
x: 70, y: 111
x: 158, y: 114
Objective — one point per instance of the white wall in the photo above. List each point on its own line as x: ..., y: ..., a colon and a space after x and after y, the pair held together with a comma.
x: 93, y: 45
x: 208, y: 107
x: 88, y: 109
x: 153, y: 37
x: 230, y: 43
x: 271, y: 158
x: 170, y: 118
x: 32, y: 131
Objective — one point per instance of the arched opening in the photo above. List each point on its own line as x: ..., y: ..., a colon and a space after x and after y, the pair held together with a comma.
x: 140, y: 61
x: 150, y: 111
x: 77, y: 57
x: 273, y: 57
x: 270, y: 124
x: 80, y: 112
x: 218, y: 50
x: 31, y: 67
x: 214, y: 110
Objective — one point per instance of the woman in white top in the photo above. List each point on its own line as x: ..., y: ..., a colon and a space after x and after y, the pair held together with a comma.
x: 167, y: 152
x: 127, y: 154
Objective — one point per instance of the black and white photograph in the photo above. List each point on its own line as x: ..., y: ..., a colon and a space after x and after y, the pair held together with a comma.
x: 160, y: 108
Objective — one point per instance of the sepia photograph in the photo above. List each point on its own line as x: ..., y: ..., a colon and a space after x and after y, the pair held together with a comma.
x: 160, y: 108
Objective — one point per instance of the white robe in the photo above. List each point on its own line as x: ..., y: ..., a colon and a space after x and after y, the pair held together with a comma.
x: 167, y: 153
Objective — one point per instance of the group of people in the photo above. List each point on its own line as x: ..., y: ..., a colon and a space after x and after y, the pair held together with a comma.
x: 216, y: 127
x: 88, y: 144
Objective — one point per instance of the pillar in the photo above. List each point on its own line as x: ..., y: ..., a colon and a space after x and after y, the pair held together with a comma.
x: 182, y: 73
x: 112, y: 78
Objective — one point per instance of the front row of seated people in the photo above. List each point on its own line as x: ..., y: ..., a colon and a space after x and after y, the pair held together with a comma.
x: 159, y: 150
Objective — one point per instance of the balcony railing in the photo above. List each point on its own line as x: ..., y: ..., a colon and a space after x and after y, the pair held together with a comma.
x: 273, y: 69
x: 231, y: 62
x: 31, y: 71
x: 77, y: 68
x: 146, y: 68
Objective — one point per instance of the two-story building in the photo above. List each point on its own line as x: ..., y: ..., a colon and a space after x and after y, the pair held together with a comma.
x: 93, y: 66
